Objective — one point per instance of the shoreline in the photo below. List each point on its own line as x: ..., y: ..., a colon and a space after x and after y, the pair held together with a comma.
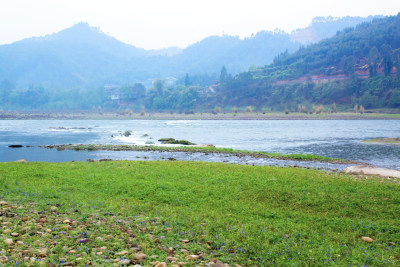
x: 195, y: 116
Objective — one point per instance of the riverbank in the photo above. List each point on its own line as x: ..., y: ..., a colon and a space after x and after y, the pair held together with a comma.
x: 199, y: 149
x: 192, y: 213
x: 124, y: 115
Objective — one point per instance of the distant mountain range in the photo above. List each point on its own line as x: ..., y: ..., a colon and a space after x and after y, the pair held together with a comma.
x: 83, y: 56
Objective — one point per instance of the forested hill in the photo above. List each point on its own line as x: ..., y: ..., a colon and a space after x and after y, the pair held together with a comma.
x: 83, y: 56
x: 358, y: 66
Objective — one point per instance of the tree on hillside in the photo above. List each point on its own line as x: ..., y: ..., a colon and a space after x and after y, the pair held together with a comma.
x: 159, y: 87
x: 223, y: 77
x: 387, y: 55
x: 373, y: 58
x: 187, y: 80
x: 5, y: 90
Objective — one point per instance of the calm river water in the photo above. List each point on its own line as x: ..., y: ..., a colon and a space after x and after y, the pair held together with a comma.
x: 333, y: 138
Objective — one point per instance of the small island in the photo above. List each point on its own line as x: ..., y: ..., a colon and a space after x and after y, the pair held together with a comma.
x: 383, y: 140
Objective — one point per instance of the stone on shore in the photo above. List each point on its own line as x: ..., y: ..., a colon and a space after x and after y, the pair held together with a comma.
x: 372, y: 171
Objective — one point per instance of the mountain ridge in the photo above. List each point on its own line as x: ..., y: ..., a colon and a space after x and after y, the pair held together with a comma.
x: 84, y: 56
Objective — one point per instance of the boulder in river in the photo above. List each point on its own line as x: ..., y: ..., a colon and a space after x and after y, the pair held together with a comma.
x: 15, y: 146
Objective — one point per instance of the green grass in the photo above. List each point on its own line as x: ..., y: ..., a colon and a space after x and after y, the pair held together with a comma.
x: 249, y: 215
x: 229, y: 151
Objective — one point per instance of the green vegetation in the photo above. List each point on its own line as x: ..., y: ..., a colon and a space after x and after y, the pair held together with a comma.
x: 204, y: 149
x: 249, y: 215
x: 356, y: 67
x: 384, y: 140
x: 175, y: 142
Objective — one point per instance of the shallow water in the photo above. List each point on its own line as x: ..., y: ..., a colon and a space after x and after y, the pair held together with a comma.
x: 333, y: 138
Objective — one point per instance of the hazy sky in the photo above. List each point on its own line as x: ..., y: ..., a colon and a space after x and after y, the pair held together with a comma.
x: 162, y: 23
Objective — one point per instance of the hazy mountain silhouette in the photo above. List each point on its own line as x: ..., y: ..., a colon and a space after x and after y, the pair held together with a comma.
x: 83, y: 56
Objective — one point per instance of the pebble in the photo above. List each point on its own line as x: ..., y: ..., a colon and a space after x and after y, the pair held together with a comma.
x: 102, y: 249
x: 367, y: 239
x: 219, y: 264
x: 14, y: 234
x: 42, y: 252
x: 8, y: 241
x: 124, y: 262
x: 170, y: 258
x: 140, y: 256
x: 67, y: 221
x: 43, y: 220
x: 161, y: 264
x: 3, y: 259
x: 122, y: 253
x: 3, y: 203
x: 192, y: 257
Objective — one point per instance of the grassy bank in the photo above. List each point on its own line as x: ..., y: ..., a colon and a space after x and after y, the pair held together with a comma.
x: 204, y: 149
x: 191, y: 212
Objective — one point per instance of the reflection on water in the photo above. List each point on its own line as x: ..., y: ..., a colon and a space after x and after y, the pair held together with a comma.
x: 341, y: 139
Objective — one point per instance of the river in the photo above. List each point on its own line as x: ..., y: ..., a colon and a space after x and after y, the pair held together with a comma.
x: 332, y: 138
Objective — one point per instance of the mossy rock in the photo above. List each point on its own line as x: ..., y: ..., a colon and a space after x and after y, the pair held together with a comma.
x: 127, y: 133
x: 175, y: 142
x: 166, y: 140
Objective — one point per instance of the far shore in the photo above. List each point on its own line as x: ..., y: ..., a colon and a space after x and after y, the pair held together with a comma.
x: 128, y: 115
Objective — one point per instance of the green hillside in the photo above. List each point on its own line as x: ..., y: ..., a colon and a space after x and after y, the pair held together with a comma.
x: 358, y: 66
